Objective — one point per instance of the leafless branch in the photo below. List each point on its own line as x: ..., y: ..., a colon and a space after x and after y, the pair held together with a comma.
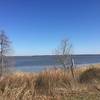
x: 64, y: 55
x: 4, y: 51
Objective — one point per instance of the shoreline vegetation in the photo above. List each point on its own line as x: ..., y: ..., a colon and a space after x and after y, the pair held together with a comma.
x: 52, y: 84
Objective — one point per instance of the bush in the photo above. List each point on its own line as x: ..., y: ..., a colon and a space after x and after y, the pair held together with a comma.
x: 89, y: 75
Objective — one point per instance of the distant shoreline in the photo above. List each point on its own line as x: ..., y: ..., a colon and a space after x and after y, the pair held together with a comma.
x: 54, y: 55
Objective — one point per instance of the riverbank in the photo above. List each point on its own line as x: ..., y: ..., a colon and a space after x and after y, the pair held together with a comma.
x: 52, y: 84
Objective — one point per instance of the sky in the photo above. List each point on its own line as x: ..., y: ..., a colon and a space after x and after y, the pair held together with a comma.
x: 36, y: 27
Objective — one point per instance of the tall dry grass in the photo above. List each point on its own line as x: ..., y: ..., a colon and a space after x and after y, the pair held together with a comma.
x: 54, y: 84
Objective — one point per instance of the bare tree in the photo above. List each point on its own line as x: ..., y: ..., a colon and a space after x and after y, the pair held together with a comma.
x: 64, y: 55
x: 4, y: 52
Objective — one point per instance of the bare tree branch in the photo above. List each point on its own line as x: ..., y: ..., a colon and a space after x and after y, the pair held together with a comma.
x: 4, y: 51
x: 64, y: 55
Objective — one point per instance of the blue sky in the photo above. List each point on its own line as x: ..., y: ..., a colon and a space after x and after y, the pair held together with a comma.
x: 37, y: 26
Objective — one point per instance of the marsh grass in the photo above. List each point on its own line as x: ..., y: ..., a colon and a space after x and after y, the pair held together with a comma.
x: 47, y: 82
x: 54, y: 84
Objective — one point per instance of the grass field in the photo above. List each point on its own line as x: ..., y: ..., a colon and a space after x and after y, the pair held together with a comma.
x: 52, y: 84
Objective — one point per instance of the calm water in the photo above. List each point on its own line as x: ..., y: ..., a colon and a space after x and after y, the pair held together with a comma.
x: 39, y: 63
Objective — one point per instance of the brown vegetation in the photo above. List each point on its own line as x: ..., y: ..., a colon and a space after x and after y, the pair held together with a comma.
x: 54, y: 84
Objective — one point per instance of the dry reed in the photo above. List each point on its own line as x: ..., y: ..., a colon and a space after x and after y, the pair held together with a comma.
x: 54, y: 84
